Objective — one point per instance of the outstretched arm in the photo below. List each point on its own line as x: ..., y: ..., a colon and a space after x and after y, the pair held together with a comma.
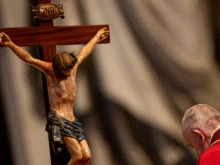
x: 101, y: 35
x: 23, y: 54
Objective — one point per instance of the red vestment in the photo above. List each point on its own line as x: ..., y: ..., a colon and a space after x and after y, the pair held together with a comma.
x: 211, y: 156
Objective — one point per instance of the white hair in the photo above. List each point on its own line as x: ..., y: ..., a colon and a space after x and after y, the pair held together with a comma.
x: 202, y: 117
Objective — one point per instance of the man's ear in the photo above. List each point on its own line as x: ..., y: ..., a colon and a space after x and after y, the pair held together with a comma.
x: 199, y: 135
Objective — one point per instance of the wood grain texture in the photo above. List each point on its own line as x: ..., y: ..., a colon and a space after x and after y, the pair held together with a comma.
x: 53, y: 35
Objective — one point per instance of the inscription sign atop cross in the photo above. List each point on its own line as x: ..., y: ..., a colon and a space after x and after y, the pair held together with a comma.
x: 55, y: 35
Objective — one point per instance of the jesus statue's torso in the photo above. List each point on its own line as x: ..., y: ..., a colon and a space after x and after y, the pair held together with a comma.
x: 61, y: 95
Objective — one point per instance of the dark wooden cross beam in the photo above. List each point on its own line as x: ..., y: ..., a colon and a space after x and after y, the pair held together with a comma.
x: 47, y: 36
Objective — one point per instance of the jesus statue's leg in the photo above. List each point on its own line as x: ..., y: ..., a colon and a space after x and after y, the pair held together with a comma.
x: 79, y: 152
x: 85, y: 152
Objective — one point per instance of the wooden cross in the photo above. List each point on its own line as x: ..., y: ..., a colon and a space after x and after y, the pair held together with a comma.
x: 47, y: 36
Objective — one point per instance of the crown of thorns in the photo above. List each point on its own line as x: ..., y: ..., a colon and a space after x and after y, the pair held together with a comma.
x: 63, y: 65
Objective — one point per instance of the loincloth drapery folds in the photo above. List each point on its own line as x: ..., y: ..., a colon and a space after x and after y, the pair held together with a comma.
x: 58, y: 126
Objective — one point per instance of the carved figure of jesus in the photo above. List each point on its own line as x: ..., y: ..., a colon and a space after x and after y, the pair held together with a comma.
x: 62, y: 126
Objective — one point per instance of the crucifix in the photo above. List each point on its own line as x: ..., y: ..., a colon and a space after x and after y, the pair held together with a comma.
x: 69, y: 35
